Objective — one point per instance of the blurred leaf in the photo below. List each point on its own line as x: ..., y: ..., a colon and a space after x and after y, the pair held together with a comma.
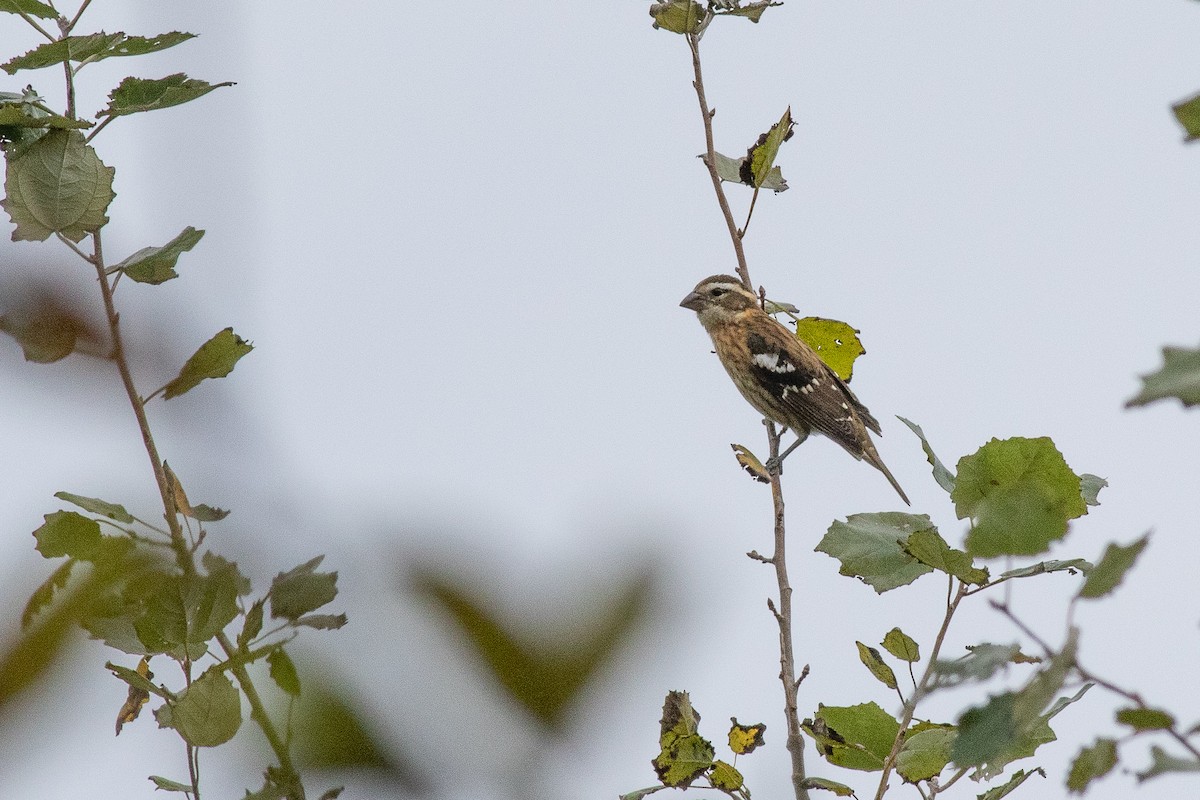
x: 874, y: 662
x: 155, y: 265
x: 168, y: 785
x: 725, y: 777
x: 135, y: 95
x: 750, y: 463
x: 871, y: 548
x: 208, y: 713
x: 301, y: 590
x: 1162, y: 762
x: 745, y: 739
x: 31, y: 7
x: 678, y: 16
x: 57, y: 185
x: 45, y: 338
x: 1179, y: 377
x: 1107, y: 575
x: 760, y: 157
x: 981, y: 663
x: 253, y: 623
x: 283, y: 672
x: 731, y: 170
x: 1092, y: 762
x: 926, y: 753
x: 1043, y: 567
x: 214, y: 564
x: 1188, y: 114
x: 685, y: 755
x: 215, y: 359
x: 1146, y: 719
x: 1021, y: 494
x: 44, y: 594
x: 67, y: 533
x: 1007, y: 788
x: 836, y: 343
x: 902, y: 646
x: 855, y: 737
x: 186, y: 611
x: 839, y: 789
x: 105, y: 509
x: 944, y: 477
x: 1090, y: 486
x: 322, y: 622
x: 59, y: 51
x: 930, y: 548
x: 543, y: 676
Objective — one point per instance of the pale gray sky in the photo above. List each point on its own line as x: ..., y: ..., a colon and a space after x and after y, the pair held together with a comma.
x: 458, y: 233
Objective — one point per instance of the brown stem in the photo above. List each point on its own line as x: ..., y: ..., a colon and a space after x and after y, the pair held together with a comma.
x: 710, y: 161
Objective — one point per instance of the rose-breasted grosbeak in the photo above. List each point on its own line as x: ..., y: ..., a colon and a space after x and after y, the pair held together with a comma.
x: 779, y: 374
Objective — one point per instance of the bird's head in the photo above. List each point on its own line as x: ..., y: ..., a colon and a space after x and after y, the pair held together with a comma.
x: 719, y: 299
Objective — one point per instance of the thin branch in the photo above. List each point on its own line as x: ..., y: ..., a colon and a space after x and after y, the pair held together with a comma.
x: 749, y: 214
x: 910, y: 708
x: 78, y: 14
x: 710, y: 161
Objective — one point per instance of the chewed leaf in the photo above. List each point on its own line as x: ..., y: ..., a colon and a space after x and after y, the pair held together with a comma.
x: 751, y: 464
x: 1179, y: 377
x: 731, y: 170
x: 57, y: 185
x: 760, y: 157
x: 870, y: 547
x: 836, y: 343
x: 745, y: 739
x: 678, y: 16
x: 155, y: 265
x: 134, y: 95
x: 216, y: 358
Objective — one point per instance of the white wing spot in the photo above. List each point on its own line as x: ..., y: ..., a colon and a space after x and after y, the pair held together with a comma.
x: 772, y: 362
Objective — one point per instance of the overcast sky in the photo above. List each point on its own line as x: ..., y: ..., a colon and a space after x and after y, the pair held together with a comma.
x: 457, y: 234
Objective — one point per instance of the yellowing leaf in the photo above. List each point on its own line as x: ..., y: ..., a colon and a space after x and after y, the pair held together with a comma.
x: 136, y: 697
x: 745, y: 739
x: 836, y: 343
x: 751, y: 464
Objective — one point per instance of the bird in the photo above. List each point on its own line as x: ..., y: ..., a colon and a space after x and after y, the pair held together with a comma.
x: 780, y: 375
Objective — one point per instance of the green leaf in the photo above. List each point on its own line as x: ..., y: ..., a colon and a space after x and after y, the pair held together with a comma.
x: 141, y: 45
x: 839, y: 789
x: 836, y: 343
x: 1107, y: 575
x: 752, y: 11
x: 731, y: 170
x: 902, y: 646
x: 135, y: 95
x: 745, y: 739
x: 856, y: 737
x: 1162, y: 762
x: 1179, y: 377
x: 986, y: 731
x: 1021, y: 494
x: 48, y: 336
x: 302, y: 590
x: 57, y: 185
x: 105, y: 509
x: 66, y: 533
x: 1044, y: 567
x: 981, y: 663
x: 1146, y: 719
x: 926, y: 753
x: 750, y: 463
x: 136, y: 680
x: 685, y: 755
x: 31, y: 7
x: 68, y: 48
x: 1092, y: 762
x: 725, y: 777
x: 44, y: 594
x: 21, y: 115
x: 330, y: 734
x: 1090, y: 486
x: 1018, y: 777
x: 155, y: 265
x: 944, y: 477
x: 760, y: 157
x: 207, y: 714
x: 253, y: 624
x: 871, y: 548
x: 930, y: 548
x: 187, y: 611
x: 678, y: 16
x: 322, y: 622
x: 283, y: 672
x: 216, y: 358
x: 168, y: 785
x: 871, y: 659
x: 543, y: 673
x: 1188, y: 114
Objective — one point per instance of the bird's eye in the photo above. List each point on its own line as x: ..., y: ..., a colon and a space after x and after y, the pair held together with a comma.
x: 717, y: 291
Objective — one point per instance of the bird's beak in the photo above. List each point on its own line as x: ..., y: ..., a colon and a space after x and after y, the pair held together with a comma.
x: 692, y: 301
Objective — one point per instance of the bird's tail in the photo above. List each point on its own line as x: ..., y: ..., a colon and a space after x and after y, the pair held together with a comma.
x: 871, y: 455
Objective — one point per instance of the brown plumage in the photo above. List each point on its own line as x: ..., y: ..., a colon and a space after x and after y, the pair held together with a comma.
x: 779, y: 374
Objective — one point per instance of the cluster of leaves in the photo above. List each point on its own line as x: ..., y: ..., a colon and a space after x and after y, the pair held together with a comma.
x: 145, y: 590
